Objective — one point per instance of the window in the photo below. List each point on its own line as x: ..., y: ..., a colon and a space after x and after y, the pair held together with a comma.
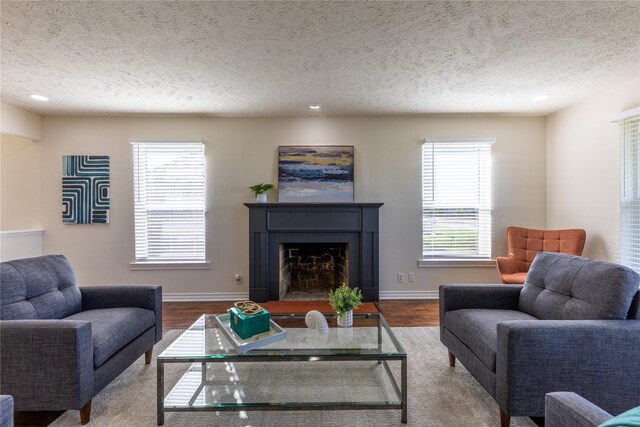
x: 630, y: 192
x: 169, y: 199
x: 456, y: 199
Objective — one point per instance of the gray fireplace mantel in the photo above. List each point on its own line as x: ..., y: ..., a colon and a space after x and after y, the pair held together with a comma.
x: 271, y: 224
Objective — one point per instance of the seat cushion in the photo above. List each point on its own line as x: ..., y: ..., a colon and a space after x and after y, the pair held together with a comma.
x: 478, y: 329
x: 567, y: 287
x: 114, y: 328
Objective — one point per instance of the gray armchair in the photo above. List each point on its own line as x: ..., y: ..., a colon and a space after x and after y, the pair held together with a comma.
x: 574, y: 326
x: 62, y: 344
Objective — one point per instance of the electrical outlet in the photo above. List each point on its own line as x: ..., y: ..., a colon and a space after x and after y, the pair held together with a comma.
x: 412, y: 277
x: 237, y: 278
x: 400, y: 277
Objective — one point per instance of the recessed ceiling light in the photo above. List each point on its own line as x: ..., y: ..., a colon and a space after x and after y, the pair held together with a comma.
x: 314, y: 106
x: 39, y: 97
x: 541, y: 97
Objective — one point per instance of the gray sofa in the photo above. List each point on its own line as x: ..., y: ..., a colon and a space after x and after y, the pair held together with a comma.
x: 62, y: 344
x: 573, y: 326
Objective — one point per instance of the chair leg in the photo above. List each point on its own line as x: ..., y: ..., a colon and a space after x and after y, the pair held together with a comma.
x: 147, y: 356
x: 452, y: 360
x: 85, y: 413
x: 505, y: 419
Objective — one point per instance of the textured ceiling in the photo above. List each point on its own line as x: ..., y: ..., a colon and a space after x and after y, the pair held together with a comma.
x: 274, y: 58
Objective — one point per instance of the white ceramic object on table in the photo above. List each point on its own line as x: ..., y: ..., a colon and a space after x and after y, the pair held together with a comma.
x: 316, y: 320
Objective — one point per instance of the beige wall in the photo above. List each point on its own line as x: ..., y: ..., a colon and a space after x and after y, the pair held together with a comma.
x: 243, y: 151
x: 583, y: 168
x: 20, y: 184
x: 18, y: 122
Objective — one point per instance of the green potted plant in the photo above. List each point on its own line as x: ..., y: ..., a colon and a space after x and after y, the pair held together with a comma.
x: 344, y: 300
x: 259, y: 190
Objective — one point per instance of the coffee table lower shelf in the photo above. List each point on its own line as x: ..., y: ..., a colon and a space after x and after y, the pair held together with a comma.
x: 309, y: 383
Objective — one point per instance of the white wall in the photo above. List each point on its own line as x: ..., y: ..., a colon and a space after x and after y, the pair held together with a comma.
x: 583, y: 168
x: 20, y: 244
x: 243, y: 151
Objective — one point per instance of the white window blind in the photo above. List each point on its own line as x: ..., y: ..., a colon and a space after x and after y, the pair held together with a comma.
x: 169, y: 198
x: 456, y: 199
x: 630, y: 193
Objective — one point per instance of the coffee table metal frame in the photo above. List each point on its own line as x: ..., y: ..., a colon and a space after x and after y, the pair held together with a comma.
x: 293, y: 356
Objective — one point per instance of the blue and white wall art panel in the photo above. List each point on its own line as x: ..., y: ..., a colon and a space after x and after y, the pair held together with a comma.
x: 85, y: 189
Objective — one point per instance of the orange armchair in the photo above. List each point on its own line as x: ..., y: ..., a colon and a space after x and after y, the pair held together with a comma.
x: 525, y: 243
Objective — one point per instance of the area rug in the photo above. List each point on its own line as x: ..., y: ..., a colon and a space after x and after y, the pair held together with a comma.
x: 438, y: 396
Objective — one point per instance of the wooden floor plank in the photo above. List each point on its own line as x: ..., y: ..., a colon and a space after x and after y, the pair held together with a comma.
x: 180, y: 315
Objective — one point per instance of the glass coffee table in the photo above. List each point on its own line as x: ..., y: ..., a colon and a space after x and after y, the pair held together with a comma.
x: 348, y: 368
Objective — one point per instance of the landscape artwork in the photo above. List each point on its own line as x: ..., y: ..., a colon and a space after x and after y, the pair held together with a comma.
x: 85, y: 189
x: 315, y: 173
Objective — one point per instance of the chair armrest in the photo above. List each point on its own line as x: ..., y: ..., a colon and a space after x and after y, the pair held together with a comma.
x: 566, y: 409
x: 507, y: 264
x: 592, y: 357
x: 46, y: 364
x: 140, y: 296
x: 456, y: 297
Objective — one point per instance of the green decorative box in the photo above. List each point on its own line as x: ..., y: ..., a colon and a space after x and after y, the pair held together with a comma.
x: 248, y: 325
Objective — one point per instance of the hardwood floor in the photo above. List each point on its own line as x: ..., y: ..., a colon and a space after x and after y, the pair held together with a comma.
x: 180, y: 315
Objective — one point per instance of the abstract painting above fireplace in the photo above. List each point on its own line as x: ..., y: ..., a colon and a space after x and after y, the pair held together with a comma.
x: 315, y: 173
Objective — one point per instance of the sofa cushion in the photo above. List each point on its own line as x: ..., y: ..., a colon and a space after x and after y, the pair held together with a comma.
x: 560, y: 286
x: 38, y: 288
x: 114, y: 328
x: 478, y: 329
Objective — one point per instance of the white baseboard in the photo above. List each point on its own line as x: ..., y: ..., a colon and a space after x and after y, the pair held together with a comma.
x: 409, y: 295
x: 236, y: 296
x: 229, y: 296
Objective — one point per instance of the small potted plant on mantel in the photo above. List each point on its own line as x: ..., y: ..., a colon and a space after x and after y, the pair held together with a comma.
x: 260, y: 191
x: 344, y: 300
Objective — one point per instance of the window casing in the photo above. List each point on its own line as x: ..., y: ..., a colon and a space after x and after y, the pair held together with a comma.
x: 630, y: 193
x: 456, y: 199
x: 169, y: 202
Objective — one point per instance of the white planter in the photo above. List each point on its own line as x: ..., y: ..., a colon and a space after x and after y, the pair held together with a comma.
x: 346, y: 321
x: 261, y: 198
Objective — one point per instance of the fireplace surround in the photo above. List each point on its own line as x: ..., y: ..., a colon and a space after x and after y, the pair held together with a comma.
x: 274, y: 224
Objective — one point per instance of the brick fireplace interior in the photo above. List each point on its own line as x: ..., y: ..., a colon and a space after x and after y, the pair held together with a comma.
x: 309, y: 270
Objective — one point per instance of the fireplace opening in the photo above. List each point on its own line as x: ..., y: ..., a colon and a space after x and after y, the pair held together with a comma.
x: 309, y: 270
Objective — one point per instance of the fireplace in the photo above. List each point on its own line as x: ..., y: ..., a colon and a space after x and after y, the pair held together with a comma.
x: 276, y: 230
x: 309, y: 270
